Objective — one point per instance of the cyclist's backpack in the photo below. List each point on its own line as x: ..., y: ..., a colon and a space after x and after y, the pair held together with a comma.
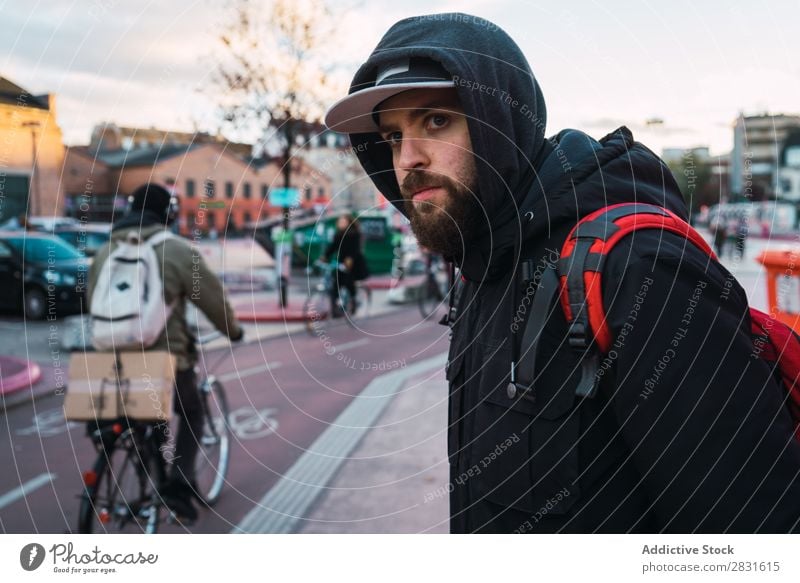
x: 580, y: 293
x: 127, y: 305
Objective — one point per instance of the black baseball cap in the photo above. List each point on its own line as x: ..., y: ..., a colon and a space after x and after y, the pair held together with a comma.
x: 354, y: 114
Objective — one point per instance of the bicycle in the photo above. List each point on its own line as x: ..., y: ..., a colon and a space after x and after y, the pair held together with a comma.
x: 121, y: 491
x: 434, y: 289
x: 320, y: 306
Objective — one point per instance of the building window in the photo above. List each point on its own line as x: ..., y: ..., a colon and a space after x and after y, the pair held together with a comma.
x: 264, y: 191
x: 246, y: 218
x: 321, y: 192
x: 793, y: 156
x: 247, y: 190
x: 211, y: 220
x: 229, y: 190
x: 210, y: 190
x: 190, y: 188
x: 308, y: 193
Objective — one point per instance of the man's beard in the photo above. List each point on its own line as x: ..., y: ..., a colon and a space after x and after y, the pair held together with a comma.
x: 447, y: 227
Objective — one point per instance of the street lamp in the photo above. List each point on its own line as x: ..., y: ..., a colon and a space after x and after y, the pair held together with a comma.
x: 34, y: 187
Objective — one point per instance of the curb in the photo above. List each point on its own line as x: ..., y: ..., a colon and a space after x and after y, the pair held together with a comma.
x: 253, y: 313
x: 282, y: 508
x: 29, y: 375
x: 23, y: 397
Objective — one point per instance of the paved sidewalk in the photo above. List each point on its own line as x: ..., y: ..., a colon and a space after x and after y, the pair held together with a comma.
x: 395, y: 481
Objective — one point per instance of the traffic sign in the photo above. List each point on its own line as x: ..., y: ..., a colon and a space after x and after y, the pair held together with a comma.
x: 286, y: 197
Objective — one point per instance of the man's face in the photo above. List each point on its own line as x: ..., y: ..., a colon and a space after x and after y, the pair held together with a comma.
x: 435, y: 167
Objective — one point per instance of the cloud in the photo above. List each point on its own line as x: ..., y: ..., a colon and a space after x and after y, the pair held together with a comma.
x: 140, y: 62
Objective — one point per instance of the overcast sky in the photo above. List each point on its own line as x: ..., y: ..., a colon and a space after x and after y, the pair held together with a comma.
x: 695, y: 65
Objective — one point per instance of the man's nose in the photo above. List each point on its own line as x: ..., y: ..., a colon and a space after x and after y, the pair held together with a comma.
x: 413, y: 154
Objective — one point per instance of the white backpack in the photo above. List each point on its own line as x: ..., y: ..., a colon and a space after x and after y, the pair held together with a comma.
x: 127, y: 306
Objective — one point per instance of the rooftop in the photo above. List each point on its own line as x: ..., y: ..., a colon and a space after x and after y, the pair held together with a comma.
x: 13, y: 94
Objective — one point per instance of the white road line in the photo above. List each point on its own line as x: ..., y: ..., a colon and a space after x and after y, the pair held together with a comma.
x: 284, y: 506
x: 246, y: 372
x: 353, y: 344
x: 25, y: 489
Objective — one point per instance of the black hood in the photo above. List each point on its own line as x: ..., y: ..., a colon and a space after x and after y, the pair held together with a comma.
x: 526, y: 182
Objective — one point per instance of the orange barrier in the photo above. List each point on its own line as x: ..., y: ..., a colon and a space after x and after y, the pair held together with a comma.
x: 783, y: 285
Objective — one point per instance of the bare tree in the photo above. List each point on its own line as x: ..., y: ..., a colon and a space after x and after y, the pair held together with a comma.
x: 273, y: 74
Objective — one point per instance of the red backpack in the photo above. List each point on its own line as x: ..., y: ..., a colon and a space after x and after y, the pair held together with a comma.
x: 580, y: 293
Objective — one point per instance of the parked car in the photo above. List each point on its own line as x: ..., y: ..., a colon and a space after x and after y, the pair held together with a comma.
x: 22, y: 222
x: 41, y: 274
x: 85, y: 237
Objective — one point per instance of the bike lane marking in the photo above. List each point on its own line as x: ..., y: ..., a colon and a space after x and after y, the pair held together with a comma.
x: 48, y: 423
x: 288, y: 501
x: 347, y: 345
x: 25, y: 489
x: 247, y: 372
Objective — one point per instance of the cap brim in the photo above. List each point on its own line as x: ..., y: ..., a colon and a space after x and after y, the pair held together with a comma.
x: 353, y: 114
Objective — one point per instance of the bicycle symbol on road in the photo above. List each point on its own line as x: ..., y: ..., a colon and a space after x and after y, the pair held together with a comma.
x: 250, y: 423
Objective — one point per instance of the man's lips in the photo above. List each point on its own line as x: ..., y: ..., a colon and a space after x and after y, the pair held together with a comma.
x: 425, y: 193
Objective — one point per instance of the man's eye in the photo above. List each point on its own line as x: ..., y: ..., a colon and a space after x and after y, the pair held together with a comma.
x: 437, y: 121
x: 393, y: 138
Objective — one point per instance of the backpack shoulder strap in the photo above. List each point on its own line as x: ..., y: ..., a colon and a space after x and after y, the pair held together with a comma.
x: 523, y: 369
x: 158, y: 238
x: 581, y: 265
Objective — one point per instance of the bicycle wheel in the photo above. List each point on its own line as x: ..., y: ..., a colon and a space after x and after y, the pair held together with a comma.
x: 316, y: 311
x: 213, y: 457
x: 431, y: 296
x: 119, y: 494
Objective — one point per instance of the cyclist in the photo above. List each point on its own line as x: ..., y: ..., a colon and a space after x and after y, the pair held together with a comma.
x: 185, y: 275
x: 346, y: 250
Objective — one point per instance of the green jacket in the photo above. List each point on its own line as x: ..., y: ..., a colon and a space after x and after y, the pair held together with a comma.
x: 186, y: 276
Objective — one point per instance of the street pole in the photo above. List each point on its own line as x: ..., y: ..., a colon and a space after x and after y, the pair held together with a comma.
x: 34, y: 187
x: 286, y: 260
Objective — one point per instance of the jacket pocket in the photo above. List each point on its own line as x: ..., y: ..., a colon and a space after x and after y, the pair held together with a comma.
x: 526, y: 443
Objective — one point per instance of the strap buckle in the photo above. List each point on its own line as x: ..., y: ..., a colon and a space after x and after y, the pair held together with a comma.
x: 576, y: 335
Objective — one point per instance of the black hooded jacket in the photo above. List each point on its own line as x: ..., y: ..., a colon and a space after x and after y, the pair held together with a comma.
x: 688, y: 432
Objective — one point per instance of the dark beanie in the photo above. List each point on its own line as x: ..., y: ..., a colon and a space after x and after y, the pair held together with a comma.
x: 151, y: 197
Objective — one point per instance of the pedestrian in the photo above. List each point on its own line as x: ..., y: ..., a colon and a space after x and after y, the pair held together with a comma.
x: 345, y: 251
x: 185, y: 276
x: 742, y: 230
x: 686, y: 431
x: 720, y: 236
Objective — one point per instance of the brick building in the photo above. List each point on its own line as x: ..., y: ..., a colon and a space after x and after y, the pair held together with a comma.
x: 220, y: 187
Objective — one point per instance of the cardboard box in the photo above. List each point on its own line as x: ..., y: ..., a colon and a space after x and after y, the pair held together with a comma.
x: 142, y: 388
